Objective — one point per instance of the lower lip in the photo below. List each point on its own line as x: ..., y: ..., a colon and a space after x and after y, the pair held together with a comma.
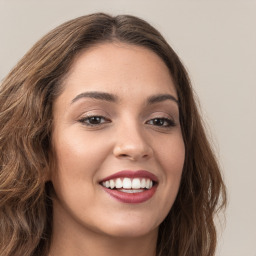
x: 131, y: 198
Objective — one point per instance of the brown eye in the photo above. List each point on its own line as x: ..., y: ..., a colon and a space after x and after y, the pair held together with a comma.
x: 162, y: 122
x: 94, y: 120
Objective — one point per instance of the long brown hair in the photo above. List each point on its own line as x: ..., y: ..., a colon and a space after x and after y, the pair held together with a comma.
x: 26, y: 98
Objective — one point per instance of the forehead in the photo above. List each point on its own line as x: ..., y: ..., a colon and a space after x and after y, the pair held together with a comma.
x: 119, y: 66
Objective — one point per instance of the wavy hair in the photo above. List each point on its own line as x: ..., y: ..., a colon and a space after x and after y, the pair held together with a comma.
x: 26, y: 98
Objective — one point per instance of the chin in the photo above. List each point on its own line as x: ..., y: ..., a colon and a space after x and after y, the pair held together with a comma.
x: 130, y: 227
x: 131, y: 232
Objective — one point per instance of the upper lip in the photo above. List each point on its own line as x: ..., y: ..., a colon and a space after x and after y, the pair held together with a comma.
x: 132, y: 174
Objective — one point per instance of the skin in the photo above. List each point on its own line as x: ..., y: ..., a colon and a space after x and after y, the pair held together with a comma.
x: 132, y: 135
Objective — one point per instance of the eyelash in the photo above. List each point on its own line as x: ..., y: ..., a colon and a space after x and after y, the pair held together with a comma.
x: 86, y: 120
x: 164, y: 122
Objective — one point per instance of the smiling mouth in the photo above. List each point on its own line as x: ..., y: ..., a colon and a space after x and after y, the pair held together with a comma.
x: 129, y: 185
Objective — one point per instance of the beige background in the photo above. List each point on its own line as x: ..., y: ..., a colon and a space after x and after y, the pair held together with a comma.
x: 217, y: 42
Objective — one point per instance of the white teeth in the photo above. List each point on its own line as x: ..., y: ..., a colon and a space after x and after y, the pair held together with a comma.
x: 143, y: 183
x: 147, y: 184
x: 128, y: 183
x: 136, y: 183
x: 130, y: 191
x: 112, y: 183
x: 119, y: 183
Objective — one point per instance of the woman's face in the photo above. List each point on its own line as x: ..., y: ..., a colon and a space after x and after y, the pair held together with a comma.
x: 118, y: 143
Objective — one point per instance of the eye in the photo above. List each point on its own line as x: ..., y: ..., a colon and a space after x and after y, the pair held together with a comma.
x: 161, y: 122
x: 94, y: 120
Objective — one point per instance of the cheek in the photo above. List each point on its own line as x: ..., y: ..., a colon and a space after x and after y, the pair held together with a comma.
x: 78, y: 159
x: 78, y: 153
x: 171, y: 158
x: 172, y: 155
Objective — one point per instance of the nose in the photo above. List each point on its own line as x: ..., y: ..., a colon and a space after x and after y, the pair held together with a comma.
x: 132, y: 144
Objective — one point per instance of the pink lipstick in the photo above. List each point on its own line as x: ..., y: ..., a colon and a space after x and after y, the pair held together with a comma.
x: 130, y: 186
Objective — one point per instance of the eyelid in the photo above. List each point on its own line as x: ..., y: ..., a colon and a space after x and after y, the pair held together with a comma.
x: 170, y: 122
x: 85, y: 121
x: 163, y: 116
x: 94, y: 112
x: 86, y: 115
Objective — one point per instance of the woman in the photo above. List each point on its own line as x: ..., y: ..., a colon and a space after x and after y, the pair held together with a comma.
x: 102, y: 148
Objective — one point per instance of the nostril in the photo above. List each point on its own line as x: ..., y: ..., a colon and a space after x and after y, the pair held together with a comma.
x: 123, y: 155
x: 132, y: 156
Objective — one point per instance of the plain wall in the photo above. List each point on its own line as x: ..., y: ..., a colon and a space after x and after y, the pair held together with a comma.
x: 216, y: 41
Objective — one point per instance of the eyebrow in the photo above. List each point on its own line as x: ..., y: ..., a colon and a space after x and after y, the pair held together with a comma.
x: 113, y: 98
x: 96, y: 95
x: 161, y: 97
